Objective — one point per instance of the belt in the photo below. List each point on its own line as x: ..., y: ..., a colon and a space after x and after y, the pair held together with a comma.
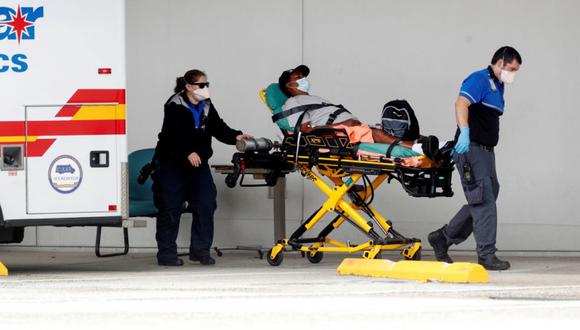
x: 486, y: 148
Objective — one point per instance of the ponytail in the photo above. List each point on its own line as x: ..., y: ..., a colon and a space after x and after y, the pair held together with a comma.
x: 179, y: 85
x: 190, y: 77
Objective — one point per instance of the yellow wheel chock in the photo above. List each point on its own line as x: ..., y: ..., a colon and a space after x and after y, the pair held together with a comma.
x: 3, y: 270
x: 458, y: 272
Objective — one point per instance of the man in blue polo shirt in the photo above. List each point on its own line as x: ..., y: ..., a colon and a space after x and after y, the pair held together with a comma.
x: 478, y: 108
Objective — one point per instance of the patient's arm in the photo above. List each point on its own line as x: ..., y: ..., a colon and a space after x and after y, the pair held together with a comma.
x: 350, y: 122
x: 380, y: 136
x: 306, y: 128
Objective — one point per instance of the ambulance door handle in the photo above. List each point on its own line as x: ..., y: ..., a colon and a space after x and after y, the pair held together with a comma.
x: 99, y: 158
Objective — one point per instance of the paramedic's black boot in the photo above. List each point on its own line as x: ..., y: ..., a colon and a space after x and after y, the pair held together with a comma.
x: 430, y: 146
x: 491, y: 262
x: 206, y: 261
x: 175, y: 262
x: 439, y: 244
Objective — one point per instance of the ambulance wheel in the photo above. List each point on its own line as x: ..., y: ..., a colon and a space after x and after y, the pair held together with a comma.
x: 277, y: 260
x: 416, y: 256
x: 316, y: 258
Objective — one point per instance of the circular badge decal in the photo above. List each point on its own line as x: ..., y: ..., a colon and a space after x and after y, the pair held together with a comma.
x: 65, y: 174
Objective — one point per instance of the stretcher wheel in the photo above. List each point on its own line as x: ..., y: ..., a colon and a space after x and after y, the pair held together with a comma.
x: 277, y: 260
x: 231, y: 180
x: 316, y: 258
x: 416, y: 256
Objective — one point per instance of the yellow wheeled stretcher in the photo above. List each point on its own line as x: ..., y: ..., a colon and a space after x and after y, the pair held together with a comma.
x: 324, y: 153
x: 349, y: 191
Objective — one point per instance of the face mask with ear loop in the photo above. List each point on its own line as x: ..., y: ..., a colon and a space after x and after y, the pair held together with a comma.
x: 201, y: 94
x: 507, y: 76
x: 303, y: 85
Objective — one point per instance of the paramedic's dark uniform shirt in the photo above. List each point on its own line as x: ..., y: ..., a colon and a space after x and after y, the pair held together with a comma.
x: 485, y: 92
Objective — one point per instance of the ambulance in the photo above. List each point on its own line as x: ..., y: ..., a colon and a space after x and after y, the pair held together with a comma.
x: 63, y: 142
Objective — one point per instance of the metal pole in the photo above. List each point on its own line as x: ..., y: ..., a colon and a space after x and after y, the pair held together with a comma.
x: 280, y: 209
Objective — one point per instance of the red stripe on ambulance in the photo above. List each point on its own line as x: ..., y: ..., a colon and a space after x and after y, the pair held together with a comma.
x: 38, y: 147
x: 92, y: 96
x: 64, y: 127
x: 76, y: 127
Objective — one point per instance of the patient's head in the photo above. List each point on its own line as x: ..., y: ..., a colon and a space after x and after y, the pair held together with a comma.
x: 293, y: 82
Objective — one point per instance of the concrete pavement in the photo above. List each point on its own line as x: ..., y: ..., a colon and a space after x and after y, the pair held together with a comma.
x: 50, y: 290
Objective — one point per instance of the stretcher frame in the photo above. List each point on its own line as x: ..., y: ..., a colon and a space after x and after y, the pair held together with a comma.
x: 328, y: 153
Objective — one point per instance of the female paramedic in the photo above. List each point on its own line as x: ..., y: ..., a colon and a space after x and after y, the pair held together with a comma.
x: 183, y: 173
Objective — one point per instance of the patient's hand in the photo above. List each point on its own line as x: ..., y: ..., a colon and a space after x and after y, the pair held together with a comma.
x: 306, y: 128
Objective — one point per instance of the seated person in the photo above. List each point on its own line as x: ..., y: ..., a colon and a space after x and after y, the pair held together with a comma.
x: 311, y: 112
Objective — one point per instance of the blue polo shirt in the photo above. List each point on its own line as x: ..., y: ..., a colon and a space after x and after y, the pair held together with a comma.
x: 485, y: 93
x: 196, y: 110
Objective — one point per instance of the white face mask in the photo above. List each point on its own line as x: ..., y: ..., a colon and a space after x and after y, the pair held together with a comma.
x: 303, y: 85
x: 201, y: 94
x: 507, y: 76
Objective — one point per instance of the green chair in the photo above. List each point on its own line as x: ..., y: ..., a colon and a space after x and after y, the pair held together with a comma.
x: 140, y: 198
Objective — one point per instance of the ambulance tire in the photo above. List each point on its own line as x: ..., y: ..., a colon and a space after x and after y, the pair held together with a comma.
x: 11, y: 235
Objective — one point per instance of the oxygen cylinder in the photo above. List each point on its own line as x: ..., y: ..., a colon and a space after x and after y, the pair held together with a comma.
x: 258, y: 144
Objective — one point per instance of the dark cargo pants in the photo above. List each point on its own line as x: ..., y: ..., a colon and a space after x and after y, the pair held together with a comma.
x: 172, y: 187
x: 479, y: 215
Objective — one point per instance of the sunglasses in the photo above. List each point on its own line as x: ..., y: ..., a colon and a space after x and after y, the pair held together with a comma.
x: 201, y: 85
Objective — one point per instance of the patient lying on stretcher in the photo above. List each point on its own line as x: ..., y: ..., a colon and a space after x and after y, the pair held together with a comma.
x: 309, y: 112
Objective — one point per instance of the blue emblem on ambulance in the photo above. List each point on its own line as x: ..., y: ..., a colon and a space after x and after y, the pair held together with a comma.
x: 65, y: 174
x: 18, y: 24
x: 62, y: 169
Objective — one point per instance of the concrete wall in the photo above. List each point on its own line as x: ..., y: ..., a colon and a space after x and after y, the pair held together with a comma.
x: 362, y: 54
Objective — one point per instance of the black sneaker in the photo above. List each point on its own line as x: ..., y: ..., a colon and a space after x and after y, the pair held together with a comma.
x: 440, y: 247
x: 174, y: 262
x: 193, y: 258
x: 430, y: 146
x: 206, y: 261
x: 491, y: 262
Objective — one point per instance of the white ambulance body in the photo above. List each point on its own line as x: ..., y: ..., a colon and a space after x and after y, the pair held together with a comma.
x: 63, y: 150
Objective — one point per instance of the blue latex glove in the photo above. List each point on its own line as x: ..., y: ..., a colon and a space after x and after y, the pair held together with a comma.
x: 462, y: 145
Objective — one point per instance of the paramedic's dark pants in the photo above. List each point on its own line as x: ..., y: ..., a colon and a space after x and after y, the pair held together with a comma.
x: 479, y: 215
x: 171, y: 188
